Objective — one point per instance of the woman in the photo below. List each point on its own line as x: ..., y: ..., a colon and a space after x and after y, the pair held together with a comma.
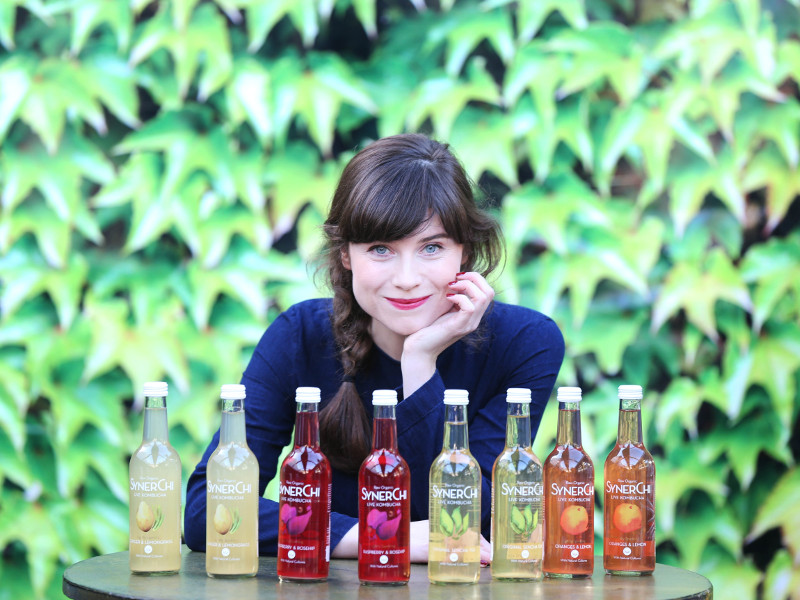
x: 407, y: 253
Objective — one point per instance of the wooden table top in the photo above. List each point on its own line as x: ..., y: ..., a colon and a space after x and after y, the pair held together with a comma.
x: 108, y: 576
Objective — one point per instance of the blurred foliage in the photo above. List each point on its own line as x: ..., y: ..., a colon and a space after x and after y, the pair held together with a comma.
x: 165, y: 167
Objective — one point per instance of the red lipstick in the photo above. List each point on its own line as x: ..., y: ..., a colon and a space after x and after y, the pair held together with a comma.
x: 407, y: 303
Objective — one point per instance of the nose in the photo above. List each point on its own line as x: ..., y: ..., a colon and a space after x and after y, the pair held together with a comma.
x: 406, y: 274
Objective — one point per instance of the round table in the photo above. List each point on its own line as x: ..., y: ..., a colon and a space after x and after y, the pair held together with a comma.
x: 108, y: 576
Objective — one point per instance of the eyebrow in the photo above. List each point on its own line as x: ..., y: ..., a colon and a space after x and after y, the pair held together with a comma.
x: 436, y: 236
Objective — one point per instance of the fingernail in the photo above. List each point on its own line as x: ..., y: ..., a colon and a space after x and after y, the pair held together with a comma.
x: 462, y: 273
x: 453, y: 282
x: 448, y: 295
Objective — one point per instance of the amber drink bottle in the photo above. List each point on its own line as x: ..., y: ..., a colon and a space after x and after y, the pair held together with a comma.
x: 629, y: 494
x: 568, y: 496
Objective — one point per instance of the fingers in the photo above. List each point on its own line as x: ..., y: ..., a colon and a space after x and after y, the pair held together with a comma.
x: 474, y: 287
x: 486, y: 552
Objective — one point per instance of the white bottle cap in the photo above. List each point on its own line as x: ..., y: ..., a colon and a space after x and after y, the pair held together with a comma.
x: 156, y: 388
x: 232, y: 391
x: 307, y: 394
x: 518, y: 395
x: 630, y: 392
x: 456, y: 397
x: 384, y: 398
x: 569, y: 394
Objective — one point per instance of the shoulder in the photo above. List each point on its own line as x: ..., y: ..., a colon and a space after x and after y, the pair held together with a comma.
x: 509, y: 320
x: 309, y: 312
x: 305, y: 321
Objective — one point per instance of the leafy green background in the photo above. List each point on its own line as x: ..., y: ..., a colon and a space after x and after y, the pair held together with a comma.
x: 165, y: 167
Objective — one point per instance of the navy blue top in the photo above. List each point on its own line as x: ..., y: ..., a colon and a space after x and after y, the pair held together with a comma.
x: 522, y: 348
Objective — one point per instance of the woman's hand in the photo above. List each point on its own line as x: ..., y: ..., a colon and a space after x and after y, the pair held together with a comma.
x: 471, y: 295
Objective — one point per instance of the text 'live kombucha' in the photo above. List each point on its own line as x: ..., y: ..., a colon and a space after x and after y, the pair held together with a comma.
x: 384, y: 502
x: 569, y: 496
x: 629, y: 494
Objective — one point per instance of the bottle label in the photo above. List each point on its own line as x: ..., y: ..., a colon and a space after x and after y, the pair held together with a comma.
x: 303, y: 511
x: 154, y: 521
x: 524, y: 503
x: 574, y: 502
x: 630, y: 519
x: 379, y: 549
x: 458, y: 520
x: 228, y: 500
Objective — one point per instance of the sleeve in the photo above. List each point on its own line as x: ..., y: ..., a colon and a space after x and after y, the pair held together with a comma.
x: 420, y: 431
x: 269, y: 413
x: 533, y: 360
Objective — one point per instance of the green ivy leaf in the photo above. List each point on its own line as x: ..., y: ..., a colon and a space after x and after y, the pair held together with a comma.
x: 203, y: 44
x: 8, y: 21
x: 249, y: 96
x: 674, y: 481
x: 696, y: 289
x: 315, y: 91
x: 779, y: 509
x: 776, y: 358
x: 16, y: 76
x: 775, y: 269
x: 606, y: 336
x: 485, y: 142
x: 464, y: 30
x: 443, y: 98
x: 87, y: 15
x: 695, y: 529
x: 768, y: 170
x: 531, y: 14
x: 781, y: 577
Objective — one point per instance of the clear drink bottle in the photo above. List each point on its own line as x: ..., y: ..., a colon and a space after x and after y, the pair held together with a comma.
x: 454, y: 544
x: 304, y: 534
x: 232, y: 495
x: 517, y: 489
x: 384, y: 501
x: 629, y: 494
x: 568, y: 496
x: 155, y: 491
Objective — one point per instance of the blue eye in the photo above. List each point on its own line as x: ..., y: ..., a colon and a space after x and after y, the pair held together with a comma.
x: 379, y: 250
x: 432, y: 248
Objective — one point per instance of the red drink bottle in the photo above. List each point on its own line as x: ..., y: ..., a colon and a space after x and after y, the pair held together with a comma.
x: 630, y: 490
x: 568, y: 496
x: 304, y: 535
x: 384, y: 504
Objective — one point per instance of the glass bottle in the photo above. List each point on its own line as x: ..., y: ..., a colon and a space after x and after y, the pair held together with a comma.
x: 232, y: 495
x: 629, y: 494
x: 454, y: 544
x: 384, y: 502
x: 568, y: 496
x: 304, y: 533
x: 517, y: 489
x: 155, y: 491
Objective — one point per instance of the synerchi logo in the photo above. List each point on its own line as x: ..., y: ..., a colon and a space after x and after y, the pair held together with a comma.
x: 383, y: 495
x: 162, y: 485
x: 572, y: 488
x: 450, y: 493
x: 522, y: 490
x: 627, y: 488
x: 297, y: 491
x: 240, y: 487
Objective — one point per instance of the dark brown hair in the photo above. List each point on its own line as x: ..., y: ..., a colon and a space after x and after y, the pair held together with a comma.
x: 387, y: 192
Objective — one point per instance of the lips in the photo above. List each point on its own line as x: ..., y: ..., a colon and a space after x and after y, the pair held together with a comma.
x: 407, y: 303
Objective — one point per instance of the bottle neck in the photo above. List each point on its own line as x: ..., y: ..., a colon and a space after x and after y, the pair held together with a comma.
x: 630, y: 422
x: 456, y: 435
x: 569, y: 424
x: 384, y: 429
x: 232, y: 429
x: 518, y: 425
x: 155, y: 419
x: 306, y: 425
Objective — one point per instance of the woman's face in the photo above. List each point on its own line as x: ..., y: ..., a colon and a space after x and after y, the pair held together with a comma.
x: 402, y: 284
